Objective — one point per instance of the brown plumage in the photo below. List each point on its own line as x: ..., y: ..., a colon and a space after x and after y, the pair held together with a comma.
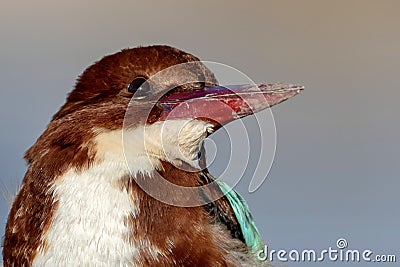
x: 207, y: 235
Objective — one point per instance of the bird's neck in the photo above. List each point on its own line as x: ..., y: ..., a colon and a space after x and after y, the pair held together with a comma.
x: 89, y: 222
x: 93, y: 213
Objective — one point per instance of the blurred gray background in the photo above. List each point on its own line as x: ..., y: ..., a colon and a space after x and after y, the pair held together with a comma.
x: 337, y: 165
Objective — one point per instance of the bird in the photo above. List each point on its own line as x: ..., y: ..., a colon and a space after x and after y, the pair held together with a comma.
x: 92, y: 194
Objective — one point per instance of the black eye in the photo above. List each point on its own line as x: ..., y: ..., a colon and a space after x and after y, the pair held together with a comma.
x: 139, y: 87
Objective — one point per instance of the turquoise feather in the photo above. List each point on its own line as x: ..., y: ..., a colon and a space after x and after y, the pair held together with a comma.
x: 250, y: 232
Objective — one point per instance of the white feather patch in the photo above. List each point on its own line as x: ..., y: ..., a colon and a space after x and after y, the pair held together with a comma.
x: 172, y: 140
x: 88, y: 227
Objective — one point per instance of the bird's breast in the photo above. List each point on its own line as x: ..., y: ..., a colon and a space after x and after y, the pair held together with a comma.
x: 89, y: 225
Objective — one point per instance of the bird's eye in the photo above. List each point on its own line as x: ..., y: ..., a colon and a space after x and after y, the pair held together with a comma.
x: 139, y: 87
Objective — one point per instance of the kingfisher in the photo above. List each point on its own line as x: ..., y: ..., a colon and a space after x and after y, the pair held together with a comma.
x: 92, y: 194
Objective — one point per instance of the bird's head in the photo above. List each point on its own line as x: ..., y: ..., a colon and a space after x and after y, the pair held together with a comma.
x: 162, y: 100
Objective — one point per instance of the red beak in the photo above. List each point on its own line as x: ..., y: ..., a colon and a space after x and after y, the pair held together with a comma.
x: 222, y: 104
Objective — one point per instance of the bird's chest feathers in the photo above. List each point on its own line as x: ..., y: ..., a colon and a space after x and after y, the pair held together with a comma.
x: 89, y: 225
